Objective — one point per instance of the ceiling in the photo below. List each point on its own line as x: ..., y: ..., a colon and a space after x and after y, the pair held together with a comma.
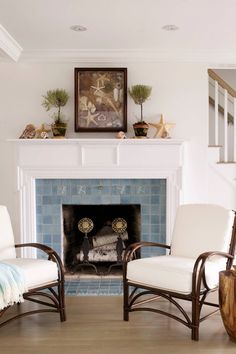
x: 41, y: 28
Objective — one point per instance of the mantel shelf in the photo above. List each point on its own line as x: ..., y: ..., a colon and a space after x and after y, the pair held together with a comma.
x: 98, y: 141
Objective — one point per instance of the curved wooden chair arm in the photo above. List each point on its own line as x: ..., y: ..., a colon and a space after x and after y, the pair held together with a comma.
x: 199, y: 268
x: 52, y: 255
x: 134, y: 247
x: 40, y: 246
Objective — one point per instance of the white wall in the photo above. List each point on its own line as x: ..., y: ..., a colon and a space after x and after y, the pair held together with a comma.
x: 180, y: 93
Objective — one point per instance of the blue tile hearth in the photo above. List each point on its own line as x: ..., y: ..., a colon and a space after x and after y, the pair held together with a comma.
x: 94, y: 287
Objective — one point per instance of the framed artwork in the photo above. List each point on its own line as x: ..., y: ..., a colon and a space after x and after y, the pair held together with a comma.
x: 100, y: 99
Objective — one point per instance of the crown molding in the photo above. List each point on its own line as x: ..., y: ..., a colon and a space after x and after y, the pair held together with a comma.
x: 8, y: 45
x: 129, y: 55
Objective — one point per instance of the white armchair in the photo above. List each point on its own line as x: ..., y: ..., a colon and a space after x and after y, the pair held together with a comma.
x: 38, y: 274
x: 203, y: 243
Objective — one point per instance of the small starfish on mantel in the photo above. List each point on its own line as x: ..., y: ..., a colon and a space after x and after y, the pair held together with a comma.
x: 42, y: 132
x: 162, y: 128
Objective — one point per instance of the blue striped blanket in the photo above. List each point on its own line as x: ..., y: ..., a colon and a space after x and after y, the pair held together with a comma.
x: 12, y: 285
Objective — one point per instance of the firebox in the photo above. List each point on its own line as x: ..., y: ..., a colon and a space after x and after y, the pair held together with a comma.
x: 100, y: 248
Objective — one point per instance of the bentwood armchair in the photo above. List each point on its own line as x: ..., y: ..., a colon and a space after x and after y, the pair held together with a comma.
x: 43, y: 278
x: 203, y: 244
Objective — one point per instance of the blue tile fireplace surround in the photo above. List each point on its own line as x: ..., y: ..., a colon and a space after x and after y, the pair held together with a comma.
x: 51, y: 194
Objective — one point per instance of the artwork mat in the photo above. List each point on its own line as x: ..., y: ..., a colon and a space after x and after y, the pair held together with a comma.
x: 100, y: 99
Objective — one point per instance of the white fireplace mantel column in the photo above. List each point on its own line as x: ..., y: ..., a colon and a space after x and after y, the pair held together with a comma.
x: 95, y: 158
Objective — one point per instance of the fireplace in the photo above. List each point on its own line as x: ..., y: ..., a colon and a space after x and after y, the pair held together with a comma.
x: 61, y: 203
x: 101, y: 250
x: 65, y: 165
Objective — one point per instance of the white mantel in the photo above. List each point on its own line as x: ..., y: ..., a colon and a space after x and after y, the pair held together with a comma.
x: 95, y: 158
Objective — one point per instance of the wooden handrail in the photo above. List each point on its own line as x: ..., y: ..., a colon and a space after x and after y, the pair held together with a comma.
x: 221, y: 82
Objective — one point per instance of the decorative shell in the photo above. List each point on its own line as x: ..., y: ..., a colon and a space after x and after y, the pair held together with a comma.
x: 29, y: 132
x: 120, y: 135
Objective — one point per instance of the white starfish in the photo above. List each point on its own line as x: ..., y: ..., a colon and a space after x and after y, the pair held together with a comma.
x: 90, y: 118
x: 102, y: 78
x: 97, y: 88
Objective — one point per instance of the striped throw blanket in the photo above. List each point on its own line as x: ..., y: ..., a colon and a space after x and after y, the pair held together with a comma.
x: 12, y: 285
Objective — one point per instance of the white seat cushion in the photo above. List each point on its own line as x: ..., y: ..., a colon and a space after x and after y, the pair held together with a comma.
x: 170, y: 272
x: 37, y: 272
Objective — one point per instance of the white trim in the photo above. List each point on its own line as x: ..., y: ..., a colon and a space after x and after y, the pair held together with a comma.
x: 129, y: 55
x: 216, y: 113
x: 8, y: 45
x: 225, y: 125
x: 234, y: 148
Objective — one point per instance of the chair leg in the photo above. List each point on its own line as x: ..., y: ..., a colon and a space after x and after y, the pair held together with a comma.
x: 195, y: 319
x: 126, y: 301
x: 61, y: 295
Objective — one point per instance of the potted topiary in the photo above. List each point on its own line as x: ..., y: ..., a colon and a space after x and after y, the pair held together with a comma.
x: 57, y: 98
x: 140, y: 93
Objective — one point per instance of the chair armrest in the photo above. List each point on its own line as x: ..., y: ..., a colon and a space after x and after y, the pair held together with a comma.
x: 52, y: 255
x: 131, y: 249
x: 199, y: 268
x: 40, y: 246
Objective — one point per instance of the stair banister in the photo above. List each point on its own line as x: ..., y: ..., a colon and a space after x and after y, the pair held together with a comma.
x: 225, y: 125
x: 234, y: 154
x: 222, y: 82
x: 216, y: 113
x: 227, y: 116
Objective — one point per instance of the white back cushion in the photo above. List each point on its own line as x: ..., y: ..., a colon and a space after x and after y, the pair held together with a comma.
x: 7, y: 248
x: 200, y: 228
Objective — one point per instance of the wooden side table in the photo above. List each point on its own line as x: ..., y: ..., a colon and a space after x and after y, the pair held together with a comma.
x: 227, y: 301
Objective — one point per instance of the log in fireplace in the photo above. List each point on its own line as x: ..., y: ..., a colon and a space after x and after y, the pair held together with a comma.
x: 99, y: 250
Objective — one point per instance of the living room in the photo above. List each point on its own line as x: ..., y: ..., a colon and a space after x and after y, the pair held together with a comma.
x: 168, y: 45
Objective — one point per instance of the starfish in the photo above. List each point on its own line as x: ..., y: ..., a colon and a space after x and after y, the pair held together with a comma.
x: 102, y: 78
x: 42, y: 132
x: 162, y: 128
x: 97, y: 88
x: 90, y: 118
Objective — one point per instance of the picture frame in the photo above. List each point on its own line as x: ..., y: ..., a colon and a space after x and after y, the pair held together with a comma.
x: 100, y: 99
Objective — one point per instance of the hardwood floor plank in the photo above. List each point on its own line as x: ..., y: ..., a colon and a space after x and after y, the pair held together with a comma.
x: 95, y: 326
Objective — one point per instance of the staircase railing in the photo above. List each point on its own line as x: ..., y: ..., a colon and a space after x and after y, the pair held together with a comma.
x: 224, y: 104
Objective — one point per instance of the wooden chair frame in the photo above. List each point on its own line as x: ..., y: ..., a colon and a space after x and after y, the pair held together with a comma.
x: 132, y: 301
x: 56, y: 299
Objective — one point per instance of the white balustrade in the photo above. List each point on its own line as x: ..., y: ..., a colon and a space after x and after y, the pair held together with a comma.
x: 234, y: 152
x: 216, y: 113
x: 225, y: 125
x: 221, y: 131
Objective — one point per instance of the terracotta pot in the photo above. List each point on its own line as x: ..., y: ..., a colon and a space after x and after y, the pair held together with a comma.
x: 227, y: 301
x: 140, y: 129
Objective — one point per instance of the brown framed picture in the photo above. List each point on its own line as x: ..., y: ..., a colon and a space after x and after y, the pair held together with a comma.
x: 100, y: 99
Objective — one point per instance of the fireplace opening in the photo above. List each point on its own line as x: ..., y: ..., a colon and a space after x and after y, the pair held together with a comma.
x: 101, y: 249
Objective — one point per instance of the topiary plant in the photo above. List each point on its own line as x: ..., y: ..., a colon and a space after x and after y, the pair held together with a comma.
x: 140, y: 93
x: 56, y: 98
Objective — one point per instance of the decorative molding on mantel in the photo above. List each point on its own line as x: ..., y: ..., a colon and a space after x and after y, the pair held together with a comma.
x: 8, y: 45
x: 94, y: 159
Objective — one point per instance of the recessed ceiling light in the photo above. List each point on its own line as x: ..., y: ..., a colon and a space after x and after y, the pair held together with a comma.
x: 78, y: 28
x: 170, y: 28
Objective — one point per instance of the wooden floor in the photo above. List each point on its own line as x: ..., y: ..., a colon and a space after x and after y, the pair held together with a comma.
x: 95, y: 326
